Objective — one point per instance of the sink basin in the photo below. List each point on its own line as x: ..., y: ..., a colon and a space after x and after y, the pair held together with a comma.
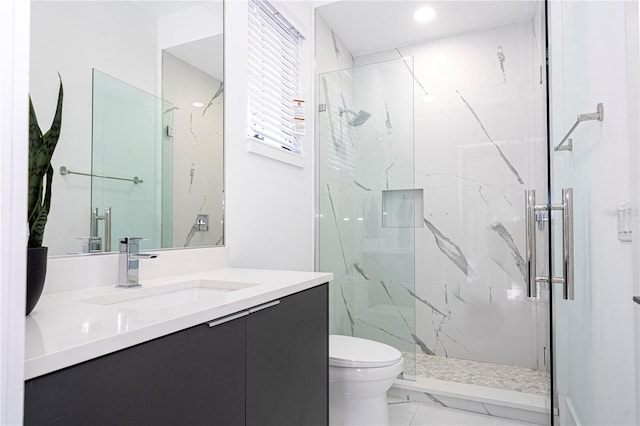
x: 206, y: 293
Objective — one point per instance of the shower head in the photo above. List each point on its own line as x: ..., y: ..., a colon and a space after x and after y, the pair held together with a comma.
x: 359, y: 117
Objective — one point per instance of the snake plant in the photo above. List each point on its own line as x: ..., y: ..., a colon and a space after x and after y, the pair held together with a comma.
x: 41, y: 147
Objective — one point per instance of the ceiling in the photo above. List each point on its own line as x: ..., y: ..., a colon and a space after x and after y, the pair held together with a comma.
x: 381, y: 25
x: 210, y: 62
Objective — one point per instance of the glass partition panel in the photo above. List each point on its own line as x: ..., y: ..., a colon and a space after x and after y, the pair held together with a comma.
x: 368, y: 208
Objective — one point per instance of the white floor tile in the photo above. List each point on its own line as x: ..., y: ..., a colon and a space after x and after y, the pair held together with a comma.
x: 401, y: 412
x: 438, y: 416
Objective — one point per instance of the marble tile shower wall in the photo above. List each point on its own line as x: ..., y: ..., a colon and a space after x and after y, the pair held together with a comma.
x: 197, y: 155
x: 478, y: 120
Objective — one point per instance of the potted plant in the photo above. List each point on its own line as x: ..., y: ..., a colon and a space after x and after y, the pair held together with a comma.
x: 41, y: 147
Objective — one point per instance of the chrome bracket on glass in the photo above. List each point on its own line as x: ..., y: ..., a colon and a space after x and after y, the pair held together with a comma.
x: 531, y: 210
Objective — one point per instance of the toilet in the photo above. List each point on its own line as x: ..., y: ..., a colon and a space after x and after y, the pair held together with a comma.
x: 361, y: 372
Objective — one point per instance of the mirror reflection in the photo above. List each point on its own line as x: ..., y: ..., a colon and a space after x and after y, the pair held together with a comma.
x: 141, y: 146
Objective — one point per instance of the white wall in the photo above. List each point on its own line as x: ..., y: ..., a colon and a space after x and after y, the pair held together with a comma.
x: 633, y: 60
x: 14, y: 87
x: 594, y: 59
x: 194, y: 23
x: 96, y: 35
x: 268, y: 204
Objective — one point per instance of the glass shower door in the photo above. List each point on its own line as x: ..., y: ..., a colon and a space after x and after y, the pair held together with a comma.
x: 368, y: 208
x: 595, y: 360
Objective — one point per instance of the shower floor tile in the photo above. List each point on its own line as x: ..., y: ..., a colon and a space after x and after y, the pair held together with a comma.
x: 497, y: 376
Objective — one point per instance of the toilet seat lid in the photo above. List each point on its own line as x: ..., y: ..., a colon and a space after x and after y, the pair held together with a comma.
x: 347, y: 351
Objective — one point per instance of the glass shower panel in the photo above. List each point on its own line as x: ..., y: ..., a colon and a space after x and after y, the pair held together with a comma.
x: 127, y: 160
x: 368, y: 207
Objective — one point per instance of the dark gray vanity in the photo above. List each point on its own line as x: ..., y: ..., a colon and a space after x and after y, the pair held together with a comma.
x: 267, y: 365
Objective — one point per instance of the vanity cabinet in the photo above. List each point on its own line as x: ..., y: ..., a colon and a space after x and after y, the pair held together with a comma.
x: 287, y: 361
x: 180, y: 379
x: 266, y: 366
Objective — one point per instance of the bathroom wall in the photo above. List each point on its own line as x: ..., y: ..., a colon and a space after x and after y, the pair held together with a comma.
x: 109, y: 27
x: 633, y: 17
x: 14, y: 89
x: 594, y: 58
x: 479, y: 143
x: 268, y: 203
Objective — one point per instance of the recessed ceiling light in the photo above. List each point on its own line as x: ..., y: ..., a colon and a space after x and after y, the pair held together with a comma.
x: 197, y: 104
x: 424, y: 14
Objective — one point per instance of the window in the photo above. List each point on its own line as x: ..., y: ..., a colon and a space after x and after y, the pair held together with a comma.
x: 274, y: 64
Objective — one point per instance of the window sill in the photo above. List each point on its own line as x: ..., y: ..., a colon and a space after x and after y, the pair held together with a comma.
x: 278, y: 154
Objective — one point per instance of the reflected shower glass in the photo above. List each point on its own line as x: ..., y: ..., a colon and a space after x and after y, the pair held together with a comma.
x: 127, y: 143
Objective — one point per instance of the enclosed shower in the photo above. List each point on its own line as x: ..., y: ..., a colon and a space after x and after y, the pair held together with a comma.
x: 425, y: 153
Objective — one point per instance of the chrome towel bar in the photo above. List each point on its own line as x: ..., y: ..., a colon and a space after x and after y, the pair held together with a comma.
x: 65, y: 171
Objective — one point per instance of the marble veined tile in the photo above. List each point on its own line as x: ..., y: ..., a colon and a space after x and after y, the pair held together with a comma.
x: 429, y: 415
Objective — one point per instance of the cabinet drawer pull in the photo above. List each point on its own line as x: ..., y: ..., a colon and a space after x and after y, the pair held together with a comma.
x: 228, y: 318
x: 265, y: 306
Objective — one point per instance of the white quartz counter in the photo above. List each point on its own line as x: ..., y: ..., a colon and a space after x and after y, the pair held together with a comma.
x: 65, y: 330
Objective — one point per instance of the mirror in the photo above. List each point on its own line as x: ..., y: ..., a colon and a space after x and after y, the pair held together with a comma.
x: 142, y: 125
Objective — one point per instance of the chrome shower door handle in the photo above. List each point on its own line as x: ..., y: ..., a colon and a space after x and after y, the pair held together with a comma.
x: 567, y: 243
x: 567, y: 280
x: 530, y: 237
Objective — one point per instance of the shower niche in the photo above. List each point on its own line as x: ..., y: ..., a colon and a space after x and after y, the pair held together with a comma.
x: 402, y: 208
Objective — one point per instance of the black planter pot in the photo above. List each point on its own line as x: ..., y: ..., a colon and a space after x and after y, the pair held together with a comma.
x: 36, y: 272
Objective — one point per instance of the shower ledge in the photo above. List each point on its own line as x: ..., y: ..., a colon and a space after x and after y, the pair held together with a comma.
x: 480, y: 399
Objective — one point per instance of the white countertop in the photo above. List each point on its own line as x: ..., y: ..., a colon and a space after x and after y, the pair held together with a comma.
x: 63, y: 330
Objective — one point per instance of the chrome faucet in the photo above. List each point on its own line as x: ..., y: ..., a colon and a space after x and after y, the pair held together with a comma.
x: 129, y: 262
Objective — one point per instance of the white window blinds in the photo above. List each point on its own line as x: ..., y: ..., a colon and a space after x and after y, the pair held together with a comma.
x: 274, y: 49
